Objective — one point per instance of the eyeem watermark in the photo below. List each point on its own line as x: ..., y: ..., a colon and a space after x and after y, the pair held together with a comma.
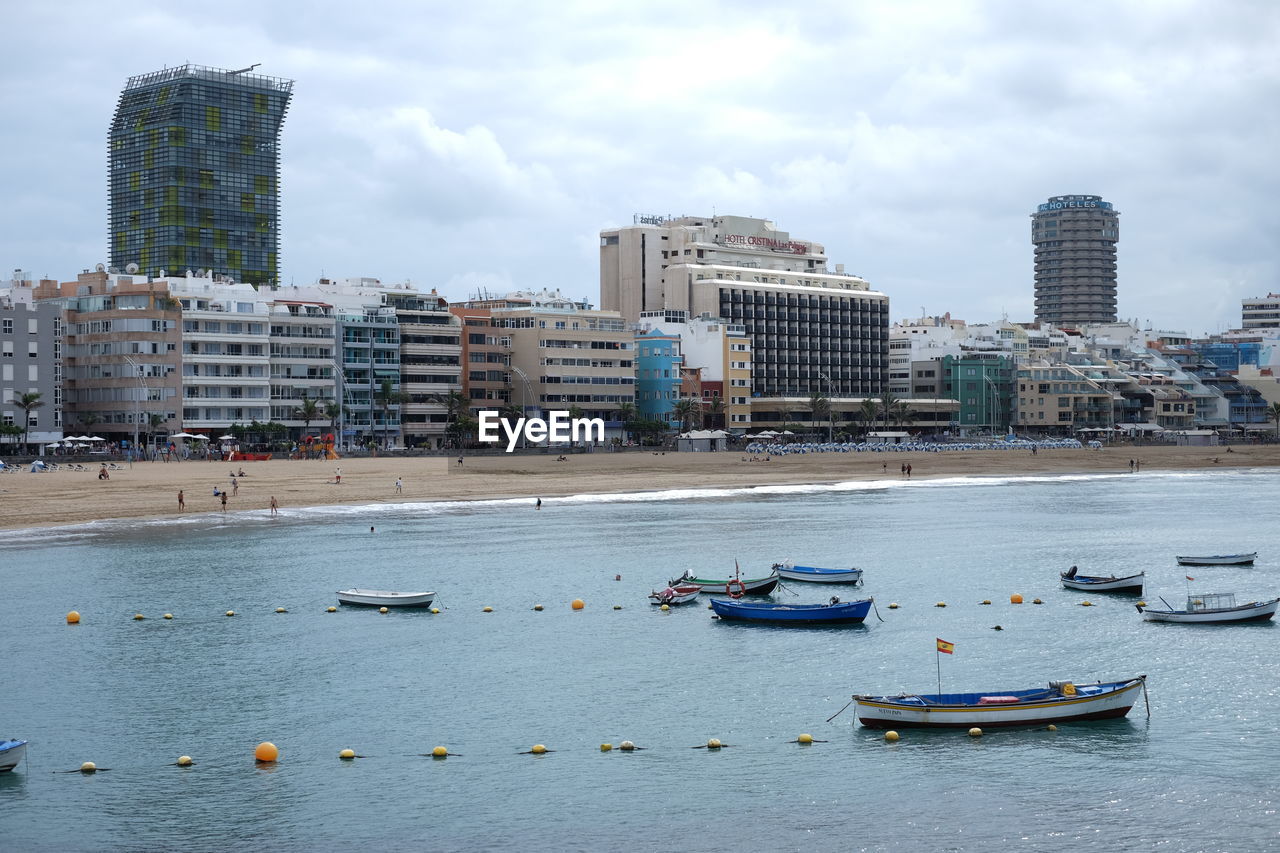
x: 559, y: 427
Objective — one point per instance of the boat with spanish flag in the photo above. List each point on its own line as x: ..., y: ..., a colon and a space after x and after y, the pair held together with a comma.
x: 1059, y: 702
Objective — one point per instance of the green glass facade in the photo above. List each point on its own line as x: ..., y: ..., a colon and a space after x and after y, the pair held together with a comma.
x: 984, y: 386
x: 195, y: 173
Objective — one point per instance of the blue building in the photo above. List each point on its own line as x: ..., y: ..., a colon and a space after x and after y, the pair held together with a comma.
x: 658, y: 361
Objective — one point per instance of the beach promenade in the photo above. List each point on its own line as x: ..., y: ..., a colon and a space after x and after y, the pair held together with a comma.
x: 150, y: 489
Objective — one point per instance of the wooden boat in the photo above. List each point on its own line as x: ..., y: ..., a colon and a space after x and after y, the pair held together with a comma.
x: 732, y: 586
x: 1219, y: 560
x: 385, y: 598
x: 1097, y: 583
x: 1211, y: 607
x: 11, y: 753
x: 836, y: 612
x: 791, y: 572
x: 676, y: 594
x: 1061, y: 701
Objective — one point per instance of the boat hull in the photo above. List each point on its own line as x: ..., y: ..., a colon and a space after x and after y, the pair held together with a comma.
x: 385, y: 598
x: 11, y: 754
x: 1092, y: 702
x: 1258, y: 611
x: 1133, y: 583
x: 749, y: 586
x: 812, y: 574
x: 840, y: 613
x: 1219, y: 560
x: 673, y: 596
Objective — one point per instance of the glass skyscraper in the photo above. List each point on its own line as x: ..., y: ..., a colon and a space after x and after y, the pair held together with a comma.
x: 1075, y: 259
x: 195, y: 173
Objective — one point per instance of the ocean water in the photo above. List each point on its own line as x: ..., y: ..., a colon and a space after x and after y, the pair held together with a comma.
x: 1198, y: 774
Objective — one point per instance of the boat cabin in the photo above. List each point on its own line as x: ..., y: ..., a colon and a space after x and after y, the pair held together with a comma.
x: 1211, y: 601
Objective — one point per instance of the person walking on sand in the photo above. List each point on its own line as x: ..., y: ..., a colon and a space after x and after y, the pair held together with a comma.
x: 235, y: 486
x: 459, y: 461
x: 399, y: 486
x: 224, y: 501
x: 274, y: 506
x: 182, y: 501
x: 337, y: 476
x: 1130, y: 466
x: 538, y: 505
x: 908, y: 471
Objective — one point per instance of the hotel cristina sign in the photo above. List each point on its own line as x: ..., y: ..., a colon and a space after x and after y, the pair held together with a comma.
x: 1064, y: 202
x: 765, y: 243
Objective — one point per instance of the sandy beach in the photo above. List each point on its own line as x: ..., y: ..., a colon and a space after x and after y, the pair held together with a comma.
x: 150, y: 489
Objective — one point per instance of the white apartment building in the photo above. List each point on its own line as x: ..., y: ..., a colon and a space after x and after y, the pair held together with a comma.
x: 1261, y: 312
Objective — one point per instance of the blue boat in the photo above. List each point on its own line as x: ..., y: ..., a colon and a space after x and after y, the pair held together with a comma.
x: 11, y: 753
x: 836, y: 612
x: 813, y: 574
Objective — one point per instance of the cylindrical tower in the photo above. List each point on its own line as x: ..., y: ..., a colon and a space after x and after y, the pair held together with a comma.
x: 1075, y: 259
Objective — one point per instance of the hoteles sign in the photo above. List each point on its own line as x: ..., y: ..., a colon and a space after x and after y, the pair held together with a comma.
x: 1074, y: 201
x: 558, y: 427
x: 756, y: 242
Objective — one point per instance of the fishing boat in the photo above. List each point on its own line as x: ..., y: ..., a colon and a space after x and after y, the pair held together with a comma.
x: 836, y: 612
x: 11, y: 753
x: 812, y: 574
x: 1218, y: 560
x: 676, y: 594
x: 1060, y: 702
x: 735, y: 585
x: 1211, y: 607
x: 1071, y: 579
x: 385, y: 598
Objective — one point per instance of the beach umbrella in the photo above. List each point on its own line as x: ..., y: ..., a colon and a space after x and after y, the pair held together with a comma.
x: 200, y: 437
x: 225, y: 437
x: 182, y: 435
x: 93, y: 438
x: 54, y: 444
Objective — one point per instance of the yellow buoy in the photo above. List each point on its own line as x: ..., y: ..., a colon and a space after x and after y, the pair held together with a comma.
x: 73, y: 618
x: 231, y: 613
x: 975, y: 732
x: 537, y: 607
x: 488, y: 609
x: 538, y: 749
x: 986, y: 601
x: 617, y: 607
x: 805, y: 738
x: 714, y: 743
x: 578, y: 604
x: 184, y: 761
x: 1036, y: 601
x: 266, y: 752
x: 347, y: 754
x: 1086, y: 604
x: 1015, y: 599
x: 665, y: 607
x: 331, y: 609
x: 138, y: 617
x: 893, y: 605
x: 88, y: 767
x: 1052, y: 727
x: 606, y: 747
x: 1142, y: 604
x: 940, y: 604
x: 168, y: 616
x: 891, y: 736
x: 435, y: 610
x: 627, y: 746
x: 281, y: 610
x: 440, y: 752
x: 383, y: 610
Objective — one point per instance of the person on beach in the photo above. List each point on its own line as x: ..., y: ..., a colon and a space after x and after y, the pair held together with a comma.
x: 182, y: 501
x: 538, y: 505
x: 274, y: 506
x: 224, y: 500
x: 1130, y: 466
x: 399, y: 486
x: 908, y: 471
x: 235, y: 486
x: 459, y: 461
x: 102, y: 472
x: 337, y: 476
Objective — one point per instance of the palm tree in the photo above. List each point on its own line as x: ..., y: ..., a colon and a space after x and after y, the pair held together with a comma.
x: 386, y: 398
x: 686, y: 409
x: 307, y: 412
x: 887, y: 402
x: 1273, y: 414
x: 901, y: 413
x: 868, y: 412
x: 154, y: 422
x: 455, y: 405
x: 820, y: 407
x: 27, y: 402
x: 713, y: 414
x: 333, y: 411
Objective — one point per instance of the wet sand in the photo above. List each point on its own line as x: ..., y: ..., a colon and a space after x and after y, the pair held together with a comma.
x: 150, y: 489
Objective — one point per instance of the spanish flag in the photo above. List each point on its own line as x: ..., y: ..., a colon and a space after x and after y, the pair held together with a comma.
x: 946, y: 648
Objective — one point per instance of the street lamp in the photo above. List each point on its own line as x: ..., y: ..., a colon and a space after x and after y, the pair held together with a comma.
x: 137, y: 403
x: 830, y: 426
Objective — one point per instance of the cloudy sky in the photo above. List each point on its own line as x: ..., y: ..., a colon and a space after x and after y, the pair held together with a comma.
x: 485, y: 144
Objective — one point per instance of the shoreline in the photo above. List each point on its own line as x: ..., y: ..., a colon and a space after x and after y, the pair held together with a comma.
x: 148, y: 490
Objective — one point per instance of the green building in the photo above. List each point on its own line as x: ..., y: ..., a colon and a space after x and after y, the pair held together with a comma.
x: 983, y: 384
x: 195, y: 173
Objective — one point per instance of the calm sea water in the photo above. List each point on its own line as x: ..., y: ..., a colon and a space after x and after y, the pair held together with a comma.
x: 1200, y: 774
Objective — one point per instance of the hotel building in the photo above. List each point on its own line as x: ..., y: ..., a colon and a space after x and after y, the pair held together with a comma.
x: 1075, y: 240
x: 31, y: 347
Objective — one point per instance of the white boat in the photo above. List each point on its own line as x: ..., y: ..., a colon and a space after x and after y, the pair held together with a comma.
x: 385, y: 598
x: 1096, y: 583
x: 814, y: 574
x: 1218, y: 560
x: 11, y: 753
x: 1061, y: 701
x: 1212, y: 607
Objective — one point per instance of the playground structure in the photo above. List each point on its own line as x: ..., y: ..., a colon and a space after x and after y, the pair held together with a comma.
x: 313, y: 446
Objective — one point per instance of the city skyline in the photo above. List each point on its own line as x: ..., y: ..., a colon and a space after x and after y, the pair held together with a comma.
x: 463, y: 151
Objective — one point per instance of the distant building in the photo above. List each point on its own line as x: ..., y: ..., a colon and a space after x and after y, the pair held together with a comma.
x: 658, y: 380
x: 1261, y: 312
x: 31, y: 346
x: 1075, y: 240
x: 194, y: 176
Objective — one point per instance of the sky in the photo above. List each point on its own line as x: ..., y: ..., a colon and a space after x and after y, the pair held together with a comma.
x: 484, y: 145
